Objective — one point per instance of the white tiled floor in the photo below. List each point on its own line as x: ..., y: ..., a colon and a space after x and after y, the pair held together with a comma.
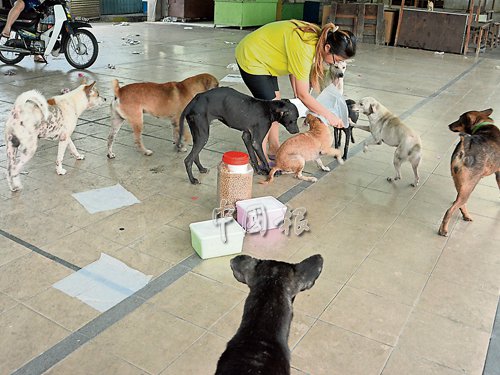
x: 393, y: 298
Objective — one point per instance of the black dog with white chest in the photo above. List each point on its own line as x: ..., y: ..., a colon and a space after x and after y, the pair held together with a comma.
x: 238, y: 111
x: 260, y: 346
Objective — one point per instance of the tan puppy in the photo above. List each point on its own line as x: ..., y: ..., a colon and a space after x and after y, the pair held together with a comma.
x: 158, y: 99
x: 389, y: 129
x: 292, y: 155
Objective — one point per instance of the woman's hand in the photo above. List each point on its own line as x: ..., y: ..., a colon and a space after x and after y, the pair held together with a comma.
x: 334, y: 120
x: 313, y: 105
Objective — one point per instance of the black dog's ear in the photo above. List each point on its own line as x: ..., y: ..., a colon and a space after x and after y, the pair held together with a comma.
x: 243, y: 267
x: 308, y: 271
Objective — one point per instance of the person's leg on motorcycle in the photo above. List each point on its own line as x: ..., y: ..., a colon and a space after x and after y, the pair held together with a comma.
x: 14, y: 13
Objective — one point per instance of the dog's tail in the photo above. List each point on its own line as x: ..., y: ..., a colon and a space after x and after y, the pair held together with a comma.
x: 181, y: 121
x: 270, y: 178
x: 116, y: 88
x: 35, y: 97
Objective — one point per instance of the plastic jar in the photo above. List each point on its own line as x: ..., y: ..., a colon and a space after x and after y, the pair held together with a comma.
x: 234, y: 179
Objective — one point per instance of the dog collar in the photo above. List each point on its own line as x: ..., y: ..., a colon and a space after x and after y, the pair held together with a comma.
x: 480, y: 125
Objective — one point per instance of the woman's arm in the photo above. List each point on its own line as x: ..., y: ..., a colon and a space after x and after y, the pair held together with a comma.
x: 301, y: 90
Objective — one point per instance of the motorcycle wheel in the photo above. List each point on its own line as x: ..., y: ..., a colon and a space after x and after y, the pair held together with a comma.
x: 11, y: 58
x: 83, y: 54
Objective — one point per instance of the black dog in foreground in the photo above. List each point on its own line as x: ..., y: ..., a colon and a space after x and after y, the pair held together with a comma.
x: 238, y: 111
x: 353, y: 116
x: 260, y: 346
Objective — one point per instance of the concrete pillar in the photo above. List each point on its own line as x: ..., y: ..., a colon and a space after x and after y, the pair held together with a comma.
x: 154, y: 10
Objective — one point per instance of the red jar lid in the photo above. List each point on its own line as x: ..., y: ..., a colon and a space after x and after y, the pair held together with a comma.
x: 235, y: 158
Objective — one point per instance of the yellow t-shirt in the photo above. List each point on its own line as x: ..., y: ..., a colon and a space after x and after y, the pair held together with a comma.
x: 277, y: 49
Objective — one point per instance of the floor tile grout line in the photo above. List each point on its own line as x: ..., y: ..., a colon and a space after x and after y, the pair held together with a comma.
x: 39, y: 251
x: 75, y: 340
x: 334, y: 162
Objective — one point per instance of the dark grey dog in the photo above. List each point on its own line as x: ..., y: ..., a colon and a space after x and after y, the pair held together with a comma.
x: 260, y: 346
x: 238, y: 111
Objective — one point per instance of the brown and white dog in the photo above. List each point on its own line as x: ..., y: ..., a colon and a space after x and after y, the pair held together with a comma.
x: 292, y: 155
x: 35, y: 117
x: 387, y: 128
x: 477, y: 155
x: 164, y: 100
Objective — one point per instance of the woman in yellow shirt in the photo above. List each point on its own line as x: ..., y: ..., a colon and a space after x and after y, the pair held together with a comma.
x: 294, y: 48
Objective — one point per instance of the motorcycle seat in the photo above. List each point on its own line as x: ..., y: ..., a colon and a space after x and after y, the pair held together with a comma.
x: 28, y: 15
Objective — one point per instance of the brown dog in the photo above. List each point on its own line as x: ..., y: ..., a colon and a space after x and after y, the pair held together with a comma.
x: 477, y: 155
x: 292, y: 155
x: 158, y: 99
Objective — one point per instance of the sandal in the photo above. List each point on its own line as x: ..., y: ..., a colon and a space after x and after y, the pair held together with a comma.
x: 3, y: 39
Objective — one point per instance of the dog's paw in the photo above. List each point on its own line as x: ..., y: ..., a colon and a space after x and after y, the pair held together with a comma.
x: 389, y: 179
x: 80, y: 157
x: 195, y: 181
x: 61, y: 171
x: 111, y: 155
x: 443, y: 232
x: 467, y: 218
x: 365, y: 149
x: 148, y: 152
x: 313, y: 179
x: 15, y: 184
x: 204, y: 170
x: 340, y: 161
x: 326, y: 169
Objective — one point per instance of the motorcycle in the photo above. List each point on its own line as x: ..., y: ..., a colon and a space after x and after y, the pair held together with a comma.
x: 49, y: 29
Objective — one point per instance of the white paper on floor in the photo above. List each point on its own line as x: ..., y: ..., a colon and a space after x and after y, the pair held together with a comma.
x: 104, y: 283
x: 232, y: 78
x: 104, y: 199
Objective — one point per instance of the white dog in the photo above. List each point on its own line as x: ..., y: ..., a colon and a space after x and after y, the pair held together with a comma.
x: 386, y: 127
x: 35, y: 117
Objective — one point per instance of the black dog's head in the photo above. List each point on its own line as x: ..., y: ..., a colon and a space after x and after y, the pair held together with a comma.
x: 288, y: 115
x: 353, y: 115
x: 292, y: 278
x: 468, y: 120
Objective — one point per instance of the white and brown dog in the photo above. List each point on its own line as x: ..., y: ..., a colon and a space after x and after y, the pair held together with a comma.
x: 35, y: 117
x: 387, y: 128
